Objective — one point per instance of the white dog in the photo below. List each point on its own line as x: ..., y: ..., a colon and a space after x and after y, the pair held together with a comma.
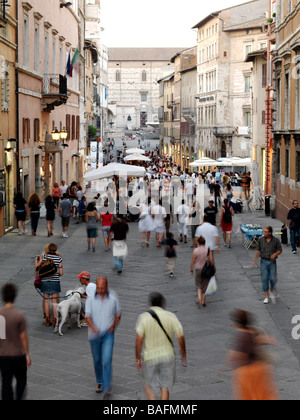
x: 72, y: 305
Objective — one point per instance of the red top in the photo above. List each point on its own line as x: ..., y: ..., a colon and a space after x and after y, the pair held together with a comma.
x: 106, y: 219
x: 56, y: 192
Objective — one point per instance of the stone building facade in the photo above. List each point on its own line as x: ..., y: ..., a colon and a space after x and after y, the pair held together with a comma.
x: 224, y: 94
x: 286, y: 127
x: 47, y: 98
x: 133, y: 74
x: 8, y: 113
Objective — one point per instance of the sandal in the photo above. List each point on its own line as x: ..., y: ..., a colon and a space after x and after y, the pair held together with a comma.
x: 48, y: 321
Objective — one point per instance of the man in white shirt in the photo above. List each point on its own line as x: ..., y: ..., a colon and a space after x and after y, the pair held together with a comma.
x: 183, y: 213
x: 159, y: 215
x: 63, y: 189
x: 210, y: 234
x: 85, y: 280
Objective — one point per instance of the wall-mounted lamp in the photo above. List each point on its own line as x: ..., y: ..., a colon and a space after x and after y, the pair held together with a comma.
x: 68, y: 4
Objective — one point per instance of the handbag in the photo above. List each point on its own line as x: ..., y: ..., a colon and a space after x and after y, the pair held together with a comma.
x: 208, y: 269
x: 47, y: 268
x: 38, y: 283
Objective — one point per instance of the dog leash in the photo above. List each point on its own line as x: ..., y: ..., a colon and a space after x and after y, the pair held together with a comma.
x: 60, y: 297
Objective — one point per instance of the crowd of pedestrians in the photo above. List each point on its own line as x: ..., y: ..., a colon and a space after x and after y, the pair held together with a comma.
x: 170, y: 196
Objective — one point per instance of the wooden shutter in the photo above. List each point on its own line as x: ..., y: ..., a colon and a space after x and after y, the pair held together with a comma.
x: 73, y: 127
x: 68, y: 124
x: 77, y: 127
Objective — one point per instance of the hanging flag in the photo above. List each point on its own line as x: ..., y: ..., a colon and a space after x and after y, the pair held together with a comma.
x: 75, y: 60
x: 69, y: 66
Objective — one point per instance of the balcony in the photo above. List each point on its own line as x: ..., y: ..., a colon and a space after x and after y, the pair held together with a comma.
x: 224, y: 131
x: 3, y: 20
x: 54, y: 91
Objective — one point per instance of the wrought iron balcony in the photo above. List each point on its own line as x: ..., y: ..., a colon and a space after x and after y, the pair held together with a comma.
x: 54, y: 91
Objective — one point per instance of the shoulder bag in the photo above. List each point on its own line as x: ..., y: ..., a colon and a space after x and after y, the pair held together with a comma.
x: 208, y: 270
x: 153, y: 314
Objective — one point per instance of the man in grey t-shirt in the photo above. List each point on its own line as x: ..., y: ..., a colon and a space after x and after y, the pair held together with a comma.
x: 65, y: 212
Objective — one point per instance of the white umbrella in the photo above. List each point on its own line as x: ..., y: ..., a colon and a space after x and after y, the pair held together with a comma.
x: 204, y: 162
x: 135, y: 150
x: 136, y: 156
x: 112, y: 169
x: 241, y: 162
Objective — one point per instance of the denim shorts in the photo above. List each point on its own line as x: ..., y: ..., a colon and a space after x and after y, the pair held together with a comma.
x: 268, y: 271
x: 50, y: 287
x: 92, y: 233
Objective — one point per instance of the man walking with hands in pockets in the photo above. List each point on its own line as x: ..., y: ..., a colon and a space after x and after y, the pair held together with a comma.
x: 269, y: 249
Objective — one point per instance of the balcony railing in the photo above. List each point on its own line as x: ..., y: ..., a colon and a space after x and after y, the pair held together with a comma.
x: 54, y: 84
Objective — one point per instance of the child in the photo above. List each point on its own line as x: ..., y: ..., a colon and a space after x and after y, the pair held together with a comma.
x: 170, y: 252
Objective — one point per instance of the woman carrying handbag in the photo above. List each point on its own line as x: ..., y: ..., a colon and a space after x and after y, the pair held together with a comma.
x: 201, y: 256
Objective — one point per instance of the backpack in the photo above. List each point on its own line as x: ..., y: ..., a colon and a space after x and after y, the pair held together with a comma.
x: 227, y: 216
x: 47, y: 268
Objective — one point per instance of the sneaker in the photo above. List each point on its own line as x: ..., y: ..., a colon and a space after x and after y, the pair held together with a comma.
x: 266, y: 301
x: 294, y: 252
x: 171, y: 275
x: 225, y: 244
x: 65, y: 235
x: 273, y: 298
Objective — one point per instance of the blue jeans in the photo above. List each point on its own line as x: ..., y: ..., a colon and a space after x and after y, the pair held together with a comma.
x: 268, y: 271
x: 102, y: 351
x: 118, y: 263
x: 294, y: 235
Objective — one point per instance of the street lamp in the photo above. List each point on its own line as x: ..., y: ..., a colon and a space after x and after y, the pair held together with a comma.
x: 63, y: 134
x: 55, y: 135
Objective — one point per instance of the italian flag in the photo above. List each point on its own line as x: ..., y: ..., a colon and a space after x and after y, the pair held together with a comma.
x: 75, y: 60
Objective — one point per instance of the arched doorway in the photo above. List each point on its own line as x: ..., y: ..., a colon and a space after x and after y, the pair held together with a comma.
x: 223, y: 149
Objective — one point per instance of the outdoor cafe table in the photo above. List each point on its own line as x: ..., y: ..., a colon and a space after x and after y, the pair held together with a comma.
x: 251, y: 234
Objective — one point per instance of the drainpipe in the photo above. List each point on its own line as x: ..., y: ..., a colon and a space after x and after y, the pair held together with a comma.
x: 269, y: 114
x: 17, y: 101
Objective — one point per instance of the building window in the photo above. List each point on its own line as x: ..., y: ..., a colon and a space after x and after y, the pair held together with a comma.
x: 4, y: 81
x: 36, y: 49
x: 297, y: 166
x: 287, y: 163
x: 144, y: 76
x: 26, y: 129
x: 118, y: 76
x: 264, y: 75
x: 248, y: 49
x: 36, y: 126
x: 248, y: 119
x: 247, y: 84
x: 25, y: 40
x: 143, y: 97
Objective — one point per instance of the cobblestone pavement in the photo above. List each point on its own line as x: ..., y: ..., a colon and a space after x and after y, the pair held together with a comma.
x: 62, y: 367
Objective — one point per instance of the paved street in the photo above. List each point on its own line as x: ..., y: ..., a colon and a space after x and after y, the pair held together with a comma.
x: 62, y: 367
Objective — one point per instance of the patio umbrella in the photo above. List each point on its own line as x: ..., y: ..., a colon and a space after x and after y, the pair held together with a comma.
x: 138, y: 157
x: 113, y: 169
x: 135, y: 150
x: 204, y: 162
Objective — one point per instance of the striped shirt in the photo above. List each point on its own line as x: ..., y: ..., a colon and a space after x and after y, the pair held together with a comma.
x: 102, y: 312
x: 57, y: 260
x: 157, y: 345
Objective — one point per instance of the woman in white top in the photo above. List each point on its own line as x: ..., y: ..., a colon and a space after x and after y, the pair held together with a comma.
x: 159, y: 214
x: 146, y: 223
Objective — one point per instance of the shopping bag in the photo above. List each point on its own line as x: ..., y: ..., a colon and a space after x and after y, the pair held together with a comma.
x: 212, y: 286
